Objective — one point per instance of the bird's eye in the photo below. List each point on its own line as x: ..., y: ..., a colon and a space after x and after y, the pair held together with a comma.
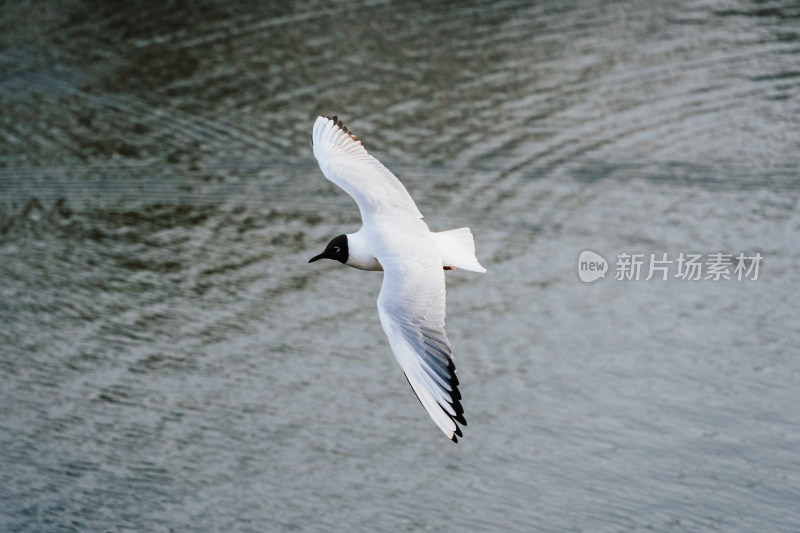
x: 336, y: 249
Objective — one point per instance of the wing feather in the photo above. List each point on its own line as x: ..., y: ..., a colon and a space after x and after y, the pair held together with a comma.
x: 411, y: 306
x: 345, y: 162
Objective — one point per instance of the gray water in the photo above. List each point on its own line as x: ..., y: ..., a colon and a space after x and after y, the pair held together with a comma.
x: 170, y: 362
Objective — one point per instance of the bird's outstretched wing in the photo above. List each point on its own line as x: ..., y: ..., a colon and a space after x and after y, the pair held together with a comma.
x: 345, y: 162
x: 411, y: 307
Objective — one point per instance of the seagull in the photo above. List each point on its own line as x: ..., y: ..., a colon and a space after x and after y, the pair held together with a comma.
x: 393, y: 238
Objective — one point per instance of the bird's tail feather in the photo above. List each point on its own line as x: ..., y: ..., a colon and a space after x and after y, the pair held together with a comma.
x: 458, y: 249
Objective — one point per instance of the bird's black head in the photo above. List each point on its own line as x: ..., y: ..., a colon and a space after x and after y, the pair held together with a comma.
x: 336, y: 249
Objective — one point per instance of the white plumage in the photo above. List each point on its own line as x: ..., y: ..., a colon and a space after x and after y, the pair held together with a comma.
x: 393, y: 238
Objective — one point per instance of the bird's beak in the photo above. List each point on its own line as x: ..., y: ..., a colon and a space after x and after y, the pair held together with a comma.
x: 317, y: 257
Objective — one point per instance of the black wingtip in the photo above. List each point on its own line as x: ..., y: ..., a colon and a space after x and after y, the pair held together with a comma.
x: 460, y: 416
x: 455, y: 404
x: 455, y: 396
x: 339, y: 124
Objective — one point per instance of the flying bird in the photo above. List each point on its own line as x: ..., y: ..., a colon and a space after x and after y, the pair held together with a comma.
x: 393, y: 238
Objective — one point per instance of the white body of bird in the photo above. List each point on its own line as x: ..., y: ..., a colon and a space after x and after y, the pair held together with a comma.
x: 393, y: 238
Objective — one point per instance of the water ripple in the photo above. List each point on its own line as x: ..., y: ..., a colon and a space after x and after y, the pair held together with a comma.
x: 171, y: 362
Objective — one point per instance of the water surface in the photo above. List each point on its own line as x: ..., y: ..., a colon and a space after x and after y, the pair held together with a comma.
x: 170, y: 361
